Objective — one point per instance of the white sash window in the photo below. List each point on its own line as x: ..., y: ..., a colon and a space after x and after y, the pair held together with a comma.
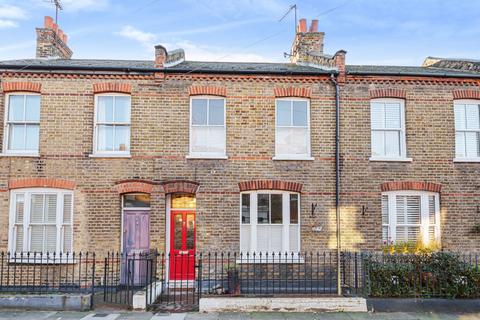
x: 467, y: 130
x: 270, y: 222
x: 387, y: 117
x: 410, y: 216
x: 41, y: 220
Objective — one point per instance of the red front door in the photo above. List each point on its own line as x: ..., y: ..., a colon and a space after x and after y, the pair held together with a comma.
x: 182, y: 244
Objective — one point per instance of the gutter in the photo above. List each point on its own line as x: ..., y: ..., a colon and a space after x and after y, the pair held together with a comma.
x: 416, y: 74
x: 333, y: 78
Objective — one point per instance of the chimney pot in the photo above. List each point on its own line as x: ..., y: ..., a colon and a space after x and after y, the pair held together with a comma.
x: 160, y: 56
x: 48, y: 22
x: 314, y: 26
x: 302, y: 25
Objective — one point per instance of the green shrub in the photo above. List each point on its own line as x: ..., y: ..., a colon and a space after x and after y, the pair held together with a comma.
x: 437, y: 274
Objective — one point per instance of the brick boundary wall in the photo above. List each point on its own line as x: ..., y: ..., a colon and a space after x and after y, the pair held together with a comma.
x: 21, y: 86
x: 270, y: 185
x: 411, y: 185
x: 41, y: 183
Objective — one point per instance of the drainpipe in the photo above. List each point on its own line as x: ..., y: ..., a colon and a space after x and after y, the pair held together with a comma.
x: 337, y: 179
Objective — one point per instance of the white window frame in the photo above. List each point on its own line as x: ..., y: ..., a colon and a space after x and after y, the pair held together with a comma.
x: 285, y: 222
x: 104, y: 153
x: 403, y: 135
x: 207, y: 155
x: 26, y: 153
x: 464, y: 159
x: 424, y: 213
x: 308, y: 155
x: 28, y: 192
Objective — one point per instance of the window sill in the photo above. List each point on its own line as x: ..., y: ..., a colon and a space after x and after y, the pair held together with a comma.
x: 296, y: 259
x: 207, y: 157
x: 26, y: 155
x: 380, y: 159
x: 42, y: 261
x: 466, y: 159
x: 106, y: 155
x: 287, y: 158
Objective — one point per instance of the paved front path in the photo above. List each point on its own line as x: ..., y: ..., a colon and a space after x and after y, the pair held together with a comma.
x: 99, y: 315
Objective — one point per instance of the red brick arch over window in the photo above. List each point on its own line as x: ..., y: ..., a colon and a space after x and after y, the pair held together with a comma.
x: 41, y: 183
x: 411, y: 185
x: 180, y: 186
x: 292, y: 92
x: 387, y: 93
x: 130, y: 186
x: 270, y: 185
x: 21, y: 86
x: 207, y: 90
x: 466, y: 94
x: 112, y: 87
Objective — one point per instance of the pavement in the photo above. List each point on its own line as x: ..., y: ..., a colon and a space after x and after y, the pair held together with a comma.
x: 123, y: 315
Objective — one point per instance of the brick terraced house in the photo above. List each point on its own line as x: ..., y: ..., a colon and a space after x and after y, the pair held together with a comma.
x: 188, y: 156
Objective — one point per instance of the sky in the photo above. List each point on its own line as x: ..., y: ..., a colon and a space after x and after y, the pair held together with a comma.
x: 380, y: 32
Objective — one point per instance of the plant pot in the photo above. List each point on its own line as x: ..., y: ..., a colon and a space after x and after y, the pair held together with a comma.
x: 233, y: 282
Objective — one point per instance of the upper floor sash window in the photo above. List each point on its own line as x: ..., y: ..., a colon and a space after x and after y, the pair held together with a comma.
x: 467, y: 130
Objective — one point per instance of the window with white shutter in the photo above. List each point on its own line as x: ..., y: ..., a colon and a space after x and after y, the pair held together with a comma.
x: 22, y: 124
x: 292, y: 129
x: 387, y: 129
x: 467, y: 130
x: 270, y: 222
x: 41, y: 220
x: 207, y: 127
x: 410, y: 216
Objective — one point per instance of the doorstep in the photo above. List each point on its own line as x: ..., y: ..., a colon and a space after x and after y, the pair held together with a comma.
x: 283, y: 304
x: 54, y: 302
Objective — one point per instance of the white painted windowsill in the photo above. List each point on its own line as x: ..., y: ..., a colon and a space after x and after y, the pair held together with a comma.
x: 466, y: 159
x: 271, y: 260
x: 286, y: 158
x: 206, y: 157
x: 380, y: 159
x: 26, y: 155
x: 57, y: 260
x: 110, y: 155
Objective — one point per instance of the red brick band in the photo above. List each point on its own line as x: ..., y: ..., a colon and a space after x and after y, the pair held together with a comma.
x: 112, y: 87
x: 411, y: 185
x: 466, y: 94
x: 41, y: 183
x: 207, y: 90
x: 292, y: 92
x: 270, y: 185
x: 140, y: 186
x: 21, y: 86
x: 180, y: 186
x: 388, y: 93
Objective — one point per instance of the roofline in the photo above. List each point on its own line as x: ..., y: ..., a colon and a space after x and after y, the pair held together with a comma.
x: 415, y: 74
x: 165, y: 70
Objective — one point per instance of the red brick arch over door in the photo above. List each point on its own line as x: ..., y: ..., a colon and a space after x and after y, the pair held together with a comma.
x: 270, y: 185
x: 180, y: 186
x: 411, y: 185
x: 131, y: 186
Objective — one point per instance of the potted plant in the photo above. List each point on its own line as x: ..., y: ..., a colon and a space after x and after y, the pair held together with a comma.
x: 233, y: 279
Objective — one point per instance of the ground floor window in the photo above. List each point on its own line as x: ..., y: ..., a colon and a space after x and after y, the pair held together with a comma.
x: 270, y: 221
x: 41, y: 220
x: 410, y: 216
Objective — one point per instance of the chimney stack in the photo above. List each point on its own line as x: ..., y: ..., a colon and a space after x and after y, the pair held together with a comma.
x: 160, y: 56
x: 307, y: 43
x: 52, y: 42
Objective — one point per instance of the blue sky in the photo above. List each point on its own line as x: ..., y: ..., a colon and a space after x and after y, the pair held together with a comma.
x: 398, y: 32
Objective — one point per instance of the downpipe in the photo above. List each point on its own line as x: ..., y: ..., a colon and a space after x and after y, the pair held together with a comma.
x: 337, y: 180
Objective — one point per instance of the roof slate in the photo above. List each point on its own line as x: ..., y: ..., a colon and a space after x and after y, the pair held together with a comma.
x: 229, y: 67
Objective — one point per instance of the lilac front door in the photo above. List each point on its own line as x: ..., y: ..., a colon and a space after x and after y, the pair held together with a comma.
x: 136, y: 240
